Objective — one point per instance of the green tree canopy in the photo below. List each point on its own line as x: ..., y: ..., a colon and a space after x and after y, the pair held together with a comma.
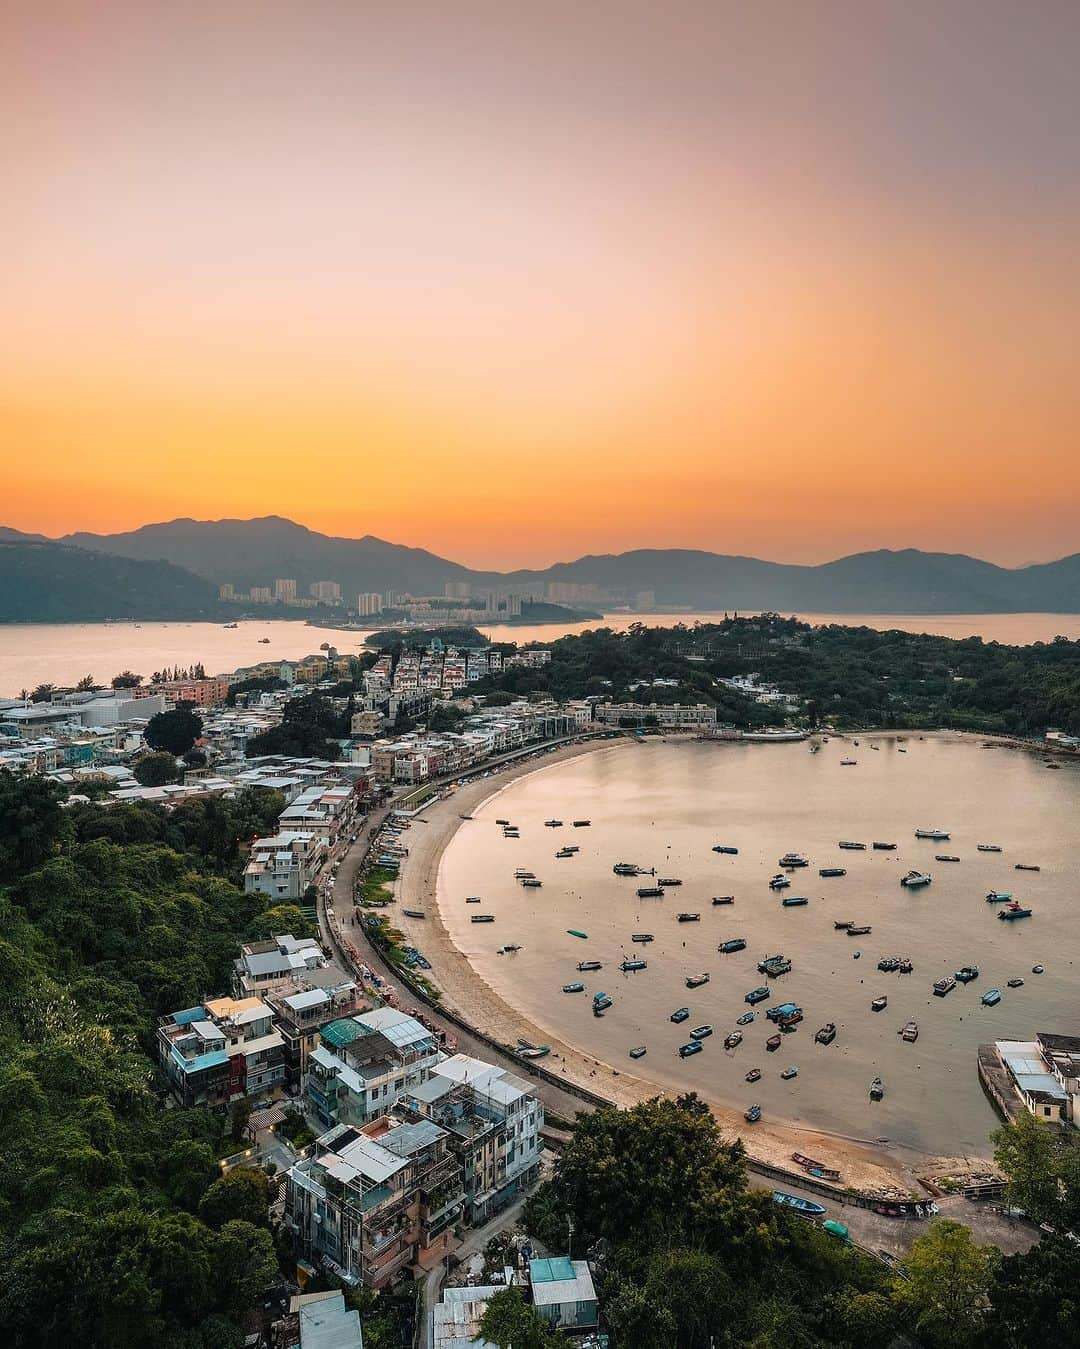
x: 155, y: 770
x: 174, y: 731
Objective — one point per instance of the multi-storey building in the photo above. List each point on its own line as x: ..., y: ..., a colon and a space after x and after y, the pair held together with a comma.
x: 373, y: 1200
x: 284, y: 865
x: 368, y: 603
x: 301, y: 1013
x: 364, y: 1063
x: 669, y: 716
x: 221, y: 1051
x: 285, y: 590
x: 265, y: 966
x: 326, y: 592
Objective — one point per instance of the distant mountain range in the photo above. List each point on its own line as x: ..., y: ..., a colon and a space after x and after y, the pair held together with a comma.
x: 175, y: 568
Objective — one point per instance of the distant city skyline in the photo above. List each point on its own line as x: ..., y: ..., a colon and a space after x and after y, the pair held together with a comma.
x: 518, y: 283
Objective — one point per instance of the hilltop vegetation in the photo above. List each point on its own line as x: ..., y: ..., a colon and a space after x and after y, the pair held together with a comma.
x: 845, y: 676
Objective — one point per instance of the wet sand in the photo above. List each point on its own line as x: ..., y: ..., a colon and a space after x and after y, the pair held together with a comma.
x: 865, y: 1164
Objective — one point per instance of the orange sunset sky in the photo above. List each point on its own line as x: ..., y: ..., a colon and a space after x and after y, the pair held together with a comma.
x: 521, y: 281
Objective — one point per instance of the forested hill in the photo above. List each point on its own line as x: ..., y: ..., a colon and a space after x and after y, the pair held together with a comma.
x: 52, y: 583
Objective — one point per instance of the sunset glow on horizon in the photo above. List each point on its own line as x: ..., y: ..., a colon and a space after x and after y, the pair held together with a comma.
x: 517, y: 283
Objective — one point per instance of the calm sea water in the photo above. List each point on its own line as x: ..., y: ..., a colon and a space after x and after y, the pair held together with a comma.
x: 61, y: 653
x: 664, y: 805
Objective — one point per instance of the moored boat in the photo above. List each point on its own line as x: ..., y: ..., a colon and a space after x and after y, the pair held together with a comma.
x: 774, y: 1042
x: 842, y: 924
x: 991, y: 997
x: 582, y: 824
x: 531, y: 883
x: 807, y: 1207
x: 943, y: 986
x: 792, y: 860
x: 626, y: 869
x: 576, y: 932
x: 945, y: 857
x: 1026, y: 866
x: 1015, y: 983
x: 966, y: 973
x: 779, y: 883
x: 938, y: 835
x: 778, y: 964
x: 637, y: 1052
x: 553, y: 824
x: 1014, y: 911
x: 745, y: 1019
x: 998, y: 896
x: 788, y: 1073
x: 723, y: 899
x: 668, y: 880
x: 482, y: 918
x: 884, y: 847
x: 754, y: 1075
x: 725, y: 848
x: 573, y: 988
x: 909, y: 1031
x: 916, y: 878
x: 877, y: 1089
x: 689, y: 917
x: 733, y: 1039
x: 680, y: 1014
x: 414, y: 913
x: 851, y: 847
x: 988, y: 847
x: 641, y: 936
x: 859, y: 930
x: 832, y: 871
x: 879, y: 1004
x: 650, y: 892
x: 601, y: 1001
x: 628, y: 966
x: 701, y: 1032
x: 696, y: 980
x: 827, y: 1034
x: 732, y: 944
x: 752, y: 1115
x: 584, y: 965
x: 794, y: 901
x: 694, y: 1047
x: 757, y: 995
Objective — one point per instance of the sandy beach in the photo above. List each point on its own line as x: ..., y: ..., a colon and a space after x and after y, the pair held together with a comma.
x: 865, y: 1164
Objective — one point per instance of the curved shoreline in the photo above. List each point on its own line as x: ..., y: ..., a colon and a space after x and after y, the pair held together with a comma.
x: 865, y: 1164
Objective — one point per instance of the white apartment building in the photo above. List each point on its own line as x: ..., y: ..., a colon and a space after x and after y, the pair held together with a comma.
x: 284, y: 865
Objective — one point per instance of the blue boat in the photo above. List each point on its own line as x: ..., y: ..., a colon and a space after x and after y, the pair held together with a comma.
x: 600, y: 1002
x: 1013, y: 912
x: 753, y: 1114
x: 628, y: 965
x: 732, y: 944
x: 999, y: 896
x: 680, y: 1014
x: 694, y: 1047
x: 745, y: 1019
x: 757, y: 995
x: 805, y: 1206
x: 782, y: 1010
x: 573, y: 988
x: 720, y: 847
x: 794, y: 901
x: 991, y: 997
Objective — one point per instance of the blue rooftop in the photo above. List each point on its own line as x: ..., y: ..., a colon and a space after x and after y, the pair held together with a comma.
x: 558, y: 1269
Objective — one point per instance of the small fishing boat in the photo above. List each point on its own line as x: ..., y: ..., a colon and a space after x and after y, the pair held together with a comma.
x: 827, y: 1034
x: 473, y: 899
x: 777, y: 964
x: 877, y: 1089
x: 508, y: 949
x: 528, y: 1050
x: 482, y: 918
x: 1014, y: 911
x: 626, y: 869
x: 1015, y: 983
x: 752, y: 1115
x: 628, y: 966
x: 584, y: 965
x: 789, y: 1020
x: 1037, y: 969
x: 883, y: 847
x: 745, y: 1019
x: 694, y: 1047
x: 966, y: 973
x: 757, y: 995
x: 689, y: 917
x: 938, y: 835
x: 650, y: 892
x: 794, y: 901
x: 991, y: 997
x: 725, y: 848
x: 582, y: 824
x: 998, y: 896
x: 807, y: 1207
x: 576, y: 932
x: 792, y: 860
x: 701, y: 1032
x: 637, y: 1052
x: 779, y: 883
x: 520, y: 875
x: 848, y: 763
x: 945, y: 857
x: 723, y: 899
x: 905, y: 966
x: 842, y: 924
x: 754, y: 1075
x: 531, y: 883
x: 832, y: 871
x: 733, y: 1039
x: 553, y: 824
x: 601, y: 1002
x: 565, y: 852
x: 641, y: 936
x: 859, y: 930
x: 788, y: 1073
x: 774, y: 1042
x: 851, y: 847
x: 732, y: 944
x: 668, y: 880
x: 879, y: 1004
x: 1026, y: 866
x: 914, y: 879
x: 573, y: 988
x: 988, y: 847
x: 414, y: 913
x: 909, y: 1031
x: 888, y: 964
x: 680, y: 1014
x: 696, y: 980
x: 943, y: 986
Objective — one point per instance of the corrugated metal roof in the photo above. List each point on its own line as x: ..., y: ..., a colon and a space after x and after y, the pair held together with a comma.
x: 558, y: 1268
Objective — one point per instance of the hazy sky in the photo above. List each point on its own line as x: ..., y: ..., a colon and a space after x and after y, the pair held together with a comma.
x: 519, y: 281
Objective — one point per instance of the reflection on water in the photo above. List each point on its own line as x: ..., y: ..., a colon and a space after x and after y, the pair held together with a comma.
x: 664, y: 805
